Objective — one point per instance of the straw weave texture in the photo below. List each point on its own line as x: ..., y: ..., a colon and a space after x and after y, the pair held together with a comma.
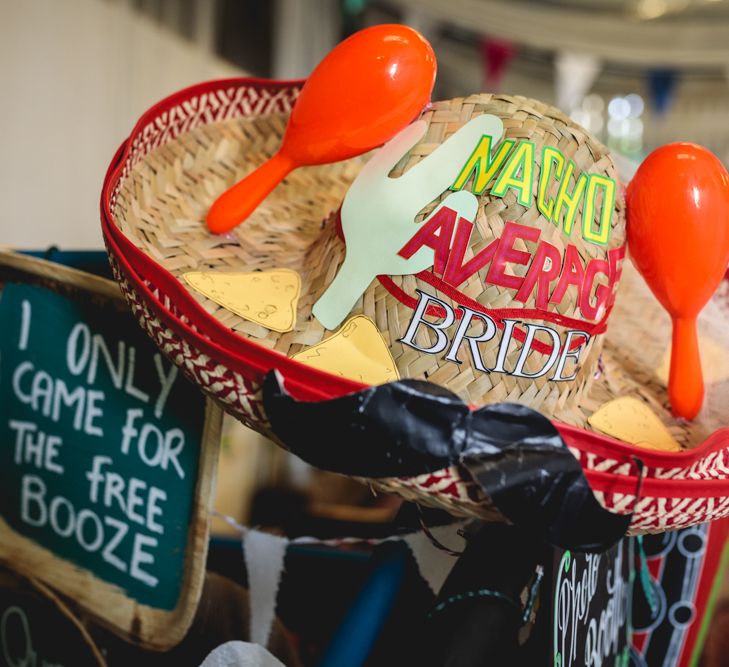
x: 161, y: 206
x: 523, y: 119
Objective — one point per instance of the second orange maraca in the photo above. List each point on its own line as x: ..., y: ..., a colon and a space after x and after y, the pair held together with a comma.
x: 678, y: 238
x: 364, y: 92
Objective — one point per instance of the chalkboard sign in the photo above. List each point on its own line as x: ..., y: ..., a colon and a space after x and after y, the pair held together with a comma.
x: 106, y: 457
x: 37, y: 629
x: 592, y: 597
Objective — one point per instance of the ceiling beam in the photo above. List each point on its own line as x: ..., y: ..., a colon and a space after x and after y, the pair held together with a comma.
x: 674, y: 43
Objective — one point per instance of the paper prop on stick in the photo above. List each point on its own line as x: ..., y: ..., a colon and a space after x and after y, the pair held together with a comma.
x: 378, y: 212
x: 365, y: 91
x: 357, y: 351
x: 267, y: 298
x: 678, y: 236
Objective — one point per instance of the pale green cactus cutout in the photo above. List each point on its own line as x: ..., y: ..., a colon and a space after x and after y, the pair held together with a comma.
x: 378, y: 212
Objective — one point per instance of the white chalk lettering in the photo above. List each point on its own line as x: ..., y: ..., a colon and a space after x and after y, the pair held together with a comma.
x: 128, y: 430
x: 136, y: 500
x: 113, y: 491
x: 49, y: 397
x: 141, y: 557
x: 57, y: 504
x: 156, y: 496
x: 77, y: 362
x: 108, y: 553
x: 62, y: 397
x: 92, y: 412
x: 155, y: 448
x: 116, y: 369
x: 94, y: 475
x: 166, y: 381
x: 84, y: 516
x: 578, y: 619
x: 33, y: 491
x: 18, y: 374
x: 95, y: 367
x: 89, y: 353
x: 41, y: 452
x: 24, y: 325
x: 129, y: 386
x: 105, y: 535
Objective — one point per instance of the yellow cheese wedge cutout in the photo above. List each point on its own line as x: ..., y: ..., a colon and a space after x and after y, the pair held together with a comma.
x: 268, y: 298
x: 631, y: 420
x: 357, y: 351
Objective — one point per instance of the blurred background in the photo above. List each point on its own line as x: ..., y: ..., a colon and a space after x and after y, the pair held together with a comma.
x: 76, y: 74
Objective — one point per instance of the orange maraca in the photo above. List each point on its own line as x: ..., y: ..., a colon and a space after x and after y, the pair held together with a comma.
x: 678, y: 238
x: 368, y: 88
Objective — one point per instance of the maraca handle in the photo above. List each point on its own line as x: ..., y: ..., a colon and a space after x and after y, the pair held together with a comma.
x: 685, y: 381
x: 238, y: 202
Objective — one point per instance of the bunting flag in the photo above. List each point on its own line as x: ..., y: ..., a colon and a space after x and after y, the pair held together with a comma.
x: 575, y: 73
x: 435, y: 553
x: 264, y: 557
x: 241, y: 654
x: 662, y: 88
x: 496, y: 55
x: 433, y: 563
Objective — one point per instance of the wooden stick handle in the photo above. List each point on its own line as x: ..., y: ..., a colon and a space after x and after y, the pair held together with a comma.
x: 238, y: 202
x: 685, y: 381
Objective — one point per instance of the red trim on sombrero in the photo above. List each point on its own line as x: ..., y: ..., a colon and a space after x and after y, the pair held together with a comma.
x: 169, y: 102
x: 241, y: 355
x: 623, y: 452
x: 251, y: 360
x: 608, y: 482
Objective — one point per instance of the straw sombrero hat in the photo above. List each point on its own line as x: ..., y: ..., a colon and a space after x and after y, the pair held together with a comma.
x: 228, y: 309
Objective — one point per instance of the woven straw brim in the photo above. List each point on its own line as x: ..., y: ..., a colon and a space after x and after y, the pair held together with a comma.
x: 161, y: 206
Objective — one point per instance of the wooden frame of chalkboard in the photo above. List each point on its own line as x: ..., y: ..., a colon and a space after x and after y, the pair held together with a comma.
x: 46, y: 532
x: 38, y: 628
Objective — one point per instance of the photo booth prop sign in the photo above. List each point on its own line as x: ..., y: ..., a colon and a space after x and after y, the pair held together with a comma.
x: 592, y: 598
x: 107, y: 454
